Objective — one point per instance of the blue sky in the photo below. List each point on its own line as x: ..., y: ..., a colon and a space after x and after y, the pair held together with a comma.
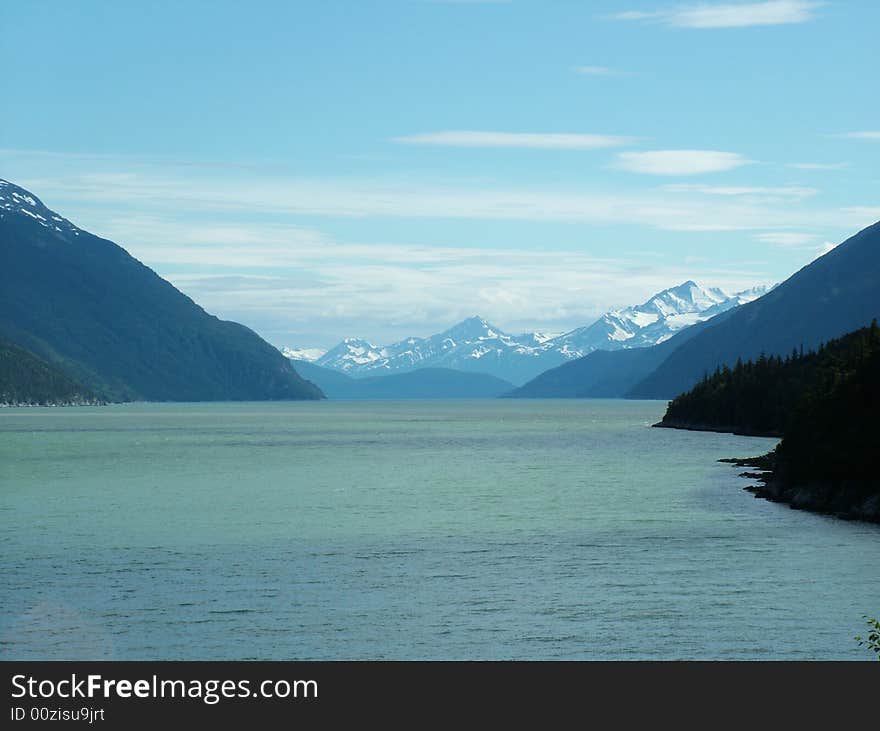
x: 383, y: 168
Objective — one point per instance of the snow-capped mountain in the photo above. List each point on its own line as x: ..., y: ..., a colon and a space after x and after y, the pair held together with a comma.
x: 310, y: 355
x: 471, y: 345
x: 17, y: 200
x: 654, y: 321
x: 476, y: 345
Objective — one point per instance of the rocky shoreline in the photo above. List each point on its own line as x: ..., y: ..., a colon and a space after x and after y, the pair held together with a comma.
x: 847, y: 500
x: 689, y: 426
x: 46, y: 404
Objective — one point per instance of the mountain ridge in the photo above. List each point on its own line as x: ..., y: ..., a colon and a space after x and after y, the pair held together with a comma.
x: 86, y: 305
x: 834, y: 294
x: 476, y: 345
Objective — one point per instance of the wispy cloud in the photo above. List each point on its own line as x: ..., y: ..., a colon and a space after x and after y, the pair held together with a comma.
x: 638, y: 15
x: 384, y: 292
x: 818, y: 165
x: 88, y: 188
x: 864, y: 213
x: 534, y: 140
x: 729, y: 15
x: 873, y: 135
x: 797, y: 240
x: 299, y: 286
x: 468, y: 2
x: 279, y: 253
x: 755, y: 191
x: 599, y: 71
x: 680, y: 162
x: 87, y: 195
x: 786, y: 239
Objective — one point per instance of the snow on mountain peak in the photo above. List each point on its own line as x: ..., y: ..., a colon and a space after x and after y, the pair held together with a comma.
x: 307, y: 354
x: 685, y: 298
x: 472, y: 327
x: 14, y: 199
x: 474, y: 344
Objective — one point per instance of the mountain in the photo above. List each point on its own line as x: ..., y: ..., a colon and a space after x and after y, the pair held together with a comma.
x: 475, y: 345
x: 655, y: 321
x: 835, y: 294
x: 823, y: 403
x: 423, y: 383
x: 85, y: 305
x: 763, y: 397
x: 310, y: 355
x: 26, y: 380
x: 606, y: 373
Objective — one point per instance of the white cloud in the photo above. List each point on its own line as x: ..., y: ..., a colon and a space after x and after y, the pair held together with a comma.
x: 780, y: 192
x: 680, y: 162
x: 85, y: 198
x: 869, y: 211
x: 864, y: 135
x: 87, y: 187
x: 135, y: 192
x: 786, y: 239
x: 251, y: 244
x: 388, y: 291
x: 534, y: 140
x: 730, y: 15
x: 818, y: 165
x: 637, y: 15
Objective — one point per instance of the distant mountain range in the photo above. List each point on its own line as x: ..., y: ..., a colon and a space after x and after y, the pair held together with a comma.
x: 835, y: 294
x: 475, y: 345
x: 85, y: 306
x: 83, y: 321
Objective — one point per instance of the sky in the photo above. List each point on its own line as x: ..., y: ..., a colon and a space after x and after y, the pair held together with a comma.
x: 386, y: 168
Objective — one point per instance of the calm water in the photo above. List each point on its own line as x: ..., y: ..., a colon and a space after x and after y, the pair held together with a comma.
x: 457, y: 530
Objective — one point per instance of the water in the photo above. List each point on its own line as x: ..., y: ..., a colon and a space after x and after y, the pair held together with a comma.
x: 434, y: 530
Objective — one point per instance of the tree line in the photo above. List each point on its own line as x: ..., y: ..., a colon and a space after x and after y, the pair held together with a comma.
x: 824, y: 403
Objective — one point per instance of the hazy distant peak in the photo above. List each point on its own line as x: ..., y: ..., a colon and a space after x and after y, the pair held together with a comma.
x: 686, y: 297
x: 472, y: 327
x: 358, y: 342
x: 751, y: 293
x: 306, y: 354
x: 352, y: 351
x: 474, y: 344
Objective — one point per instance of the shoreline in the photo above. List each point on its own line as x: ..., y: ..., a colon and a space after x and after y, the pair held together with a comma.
x: 54, y: 404
x: 846, y: 500
x: 687, y: 426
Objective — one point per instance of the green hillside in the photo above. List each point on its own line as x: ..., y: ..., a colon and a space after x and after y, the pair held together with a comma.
x: 825, y: 405
x: 26, y: 380
x: 112, y: 323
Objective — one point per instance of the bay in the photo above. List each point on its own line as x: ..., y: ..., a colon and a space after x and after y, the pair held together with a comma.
x: 409, y: 530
